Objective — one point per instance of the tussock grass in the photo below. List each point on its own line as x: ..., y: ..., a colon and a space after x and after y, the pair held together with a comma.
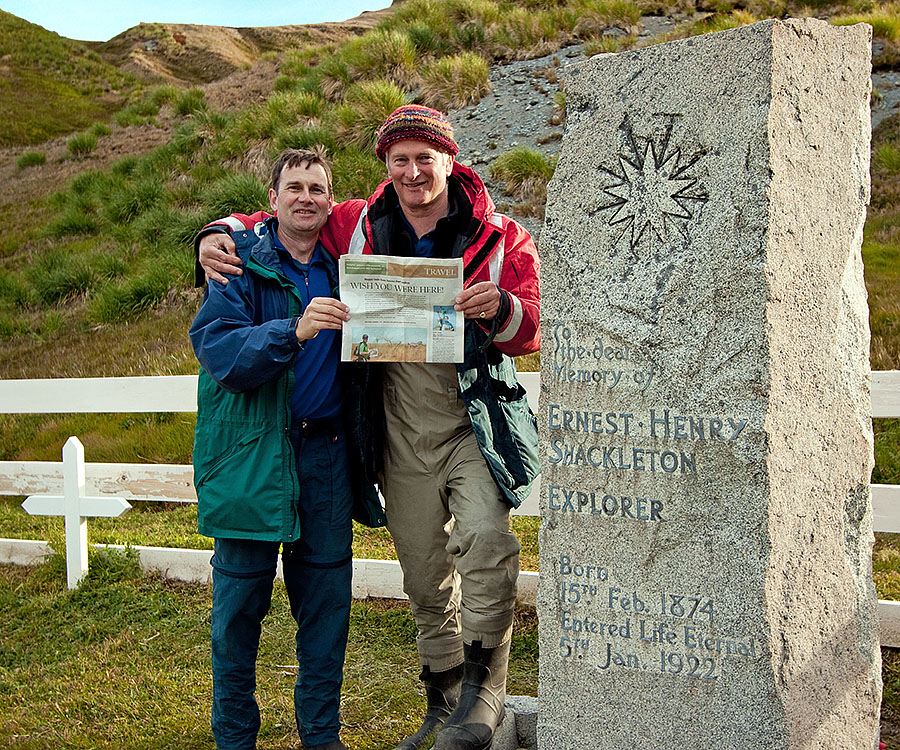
x: 454, y: 82
x: 58, y: 275
x: 885, y: 21
x: 524, y: 173
x: 382, y: 53
x: 356, y: 172
x: 307, y: 137
x: 135, y: 114
x: 608, y: 43
x: 886, y: 158
x: 99, y: 129
x: 334, y: 76
x: 74, y: 220
x: 284, y: 83
x: 81, y: 144
x: 121, y: 301
x: 235, y: 192
x: 295, y: 63
x: 165, y: 94
x: 130, y: 201
x: 31, y: 159
x: 13, y: 293
x: 595, y: 16
x: 282, y: 110
x: 426, y: 40
x: 144, y: 105
x: 715, y: 22
x: 189, y: 102
x: 483, y: 12
x: 366, y: 105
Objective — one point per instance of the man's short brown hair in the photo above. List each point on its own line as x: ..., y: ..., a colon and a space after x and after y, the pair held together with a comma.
x: 297, y: 157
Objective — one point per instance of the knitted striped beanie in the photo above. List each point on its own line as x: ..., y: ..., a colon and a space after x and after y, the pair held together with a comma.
x: 413, y: 122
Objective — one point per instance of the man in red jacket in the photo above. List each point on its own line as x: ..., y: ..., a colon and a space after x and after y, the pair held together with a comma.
x: 460, y: 445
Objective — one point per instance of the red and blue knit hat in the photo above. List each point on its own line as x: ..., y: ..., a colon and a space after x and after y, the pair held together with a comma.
x: 413, y: 122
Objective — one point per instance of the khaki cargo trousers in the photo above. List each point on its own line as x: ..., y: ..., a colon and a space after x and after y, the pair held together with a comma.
x: 460, y: 560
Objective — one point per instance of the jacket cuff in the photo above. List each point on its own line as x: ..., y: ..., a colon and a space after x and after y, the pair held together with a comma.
x: 491, y: 327
x: 513, y: 322
x: 292, y: 327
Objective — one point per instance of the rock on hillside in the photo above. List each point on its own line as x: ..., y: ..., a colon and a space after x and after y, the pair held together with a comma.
x: 520, y: 111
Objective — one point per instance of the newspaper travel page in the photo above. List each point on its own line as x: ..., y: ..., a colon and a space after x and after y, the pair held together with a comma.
x: 401, y: 309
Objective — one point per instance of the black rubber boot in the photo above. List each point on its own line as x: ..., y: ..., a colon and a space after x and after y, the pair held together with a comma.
x: 481, y: 704
x: 442, y: 693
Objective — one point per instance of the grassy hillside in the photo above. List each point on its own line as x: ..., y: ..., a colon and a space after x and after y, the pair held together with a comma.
x: 49, y: 85
x: 95, y: 278
x: 113, y: 244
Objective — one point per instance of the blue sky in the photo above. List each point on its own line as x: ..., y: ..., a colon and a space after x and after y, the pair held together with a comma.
x: 99, y: 21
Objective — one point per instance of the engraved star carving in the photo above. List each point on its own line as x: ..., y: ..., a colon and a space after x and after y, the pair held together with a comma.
x: 653, y: 190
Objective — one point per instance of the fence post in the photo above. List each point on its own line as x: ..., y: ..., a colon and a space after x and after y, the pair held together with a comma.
x: 76, y: 524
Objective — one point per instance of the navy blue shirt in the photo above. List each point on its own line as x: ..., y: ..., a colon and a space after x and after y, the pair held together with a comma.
x: 317, y: 390
x: 423, y: 247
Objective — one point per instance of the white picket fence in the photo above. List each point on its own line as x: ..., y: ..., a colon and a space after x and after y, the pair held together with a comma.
x: 79, y: 490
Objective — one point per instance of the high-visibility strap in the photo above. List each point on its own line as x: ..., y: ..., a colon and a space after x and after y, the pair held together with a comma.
x: 235, y: 225
x: 495, y: 267
x: 358, y: 239
x: 495, y: 264
x: 514, y: 322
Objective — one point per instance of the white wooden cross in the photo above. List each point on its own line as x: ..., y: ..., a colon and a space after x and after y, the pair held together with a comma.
x: 75, y: 508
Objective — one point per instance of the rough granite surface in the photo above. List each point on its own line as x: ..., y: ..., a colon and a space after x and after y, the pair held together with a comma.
x: 707, y: 450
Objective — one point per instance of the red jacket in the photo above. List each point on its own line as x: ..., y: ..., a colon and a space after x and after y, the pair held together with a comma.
x: 495, y: 248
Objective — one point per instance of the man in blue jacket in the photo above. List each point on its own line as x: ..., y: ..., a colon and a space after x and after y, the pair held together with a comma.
x: 270, y: 458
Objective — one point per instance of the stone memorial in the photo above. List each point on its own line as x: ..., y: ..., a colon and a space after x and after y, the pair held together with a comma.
x: 705, y: 413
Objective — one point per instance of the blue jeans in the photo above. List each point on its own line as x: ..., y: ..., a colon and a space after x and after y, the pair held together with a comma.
x: 317, y: 572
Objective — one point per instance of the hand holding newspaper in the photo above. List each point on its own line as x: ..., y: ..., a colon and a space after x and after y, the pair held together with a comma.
x: 401, y: 309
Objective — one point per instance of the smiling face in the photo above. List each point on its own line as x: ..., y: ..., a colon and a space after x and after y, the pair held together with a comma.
x: 303, y: 200
x: 419, y: 172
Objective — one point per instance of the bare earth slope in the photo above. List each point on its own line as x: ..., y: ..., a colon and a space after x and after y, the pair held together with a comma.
x: 188, y: 53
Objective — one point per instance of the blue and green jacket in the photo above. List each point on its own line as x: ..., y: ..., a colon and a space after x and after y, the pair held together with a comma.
x: 244, y: 464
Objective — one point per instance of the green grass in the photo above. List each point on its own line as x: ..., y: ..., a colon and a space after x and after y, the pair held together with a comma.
x: 886, y: 158
x: 881, y: 246
x: 605, y: 44
x: 454, y: 82
x: 382, y: 53
x: 51, y: 86
x: 524, y: 173
x: 175, y: 524
x: 81, y: 144
x: 59, y: 275
x: 31, y: 159
x: 885, y: 21
x: 189, y: 102
x: 99, y: 129
x: 366, y: 105
x: 126, y: 663
x: 144, y: 106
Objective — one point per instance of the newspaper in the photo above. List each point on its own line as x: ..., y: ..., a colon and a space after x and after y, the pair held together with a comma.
x: 401, y: 309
